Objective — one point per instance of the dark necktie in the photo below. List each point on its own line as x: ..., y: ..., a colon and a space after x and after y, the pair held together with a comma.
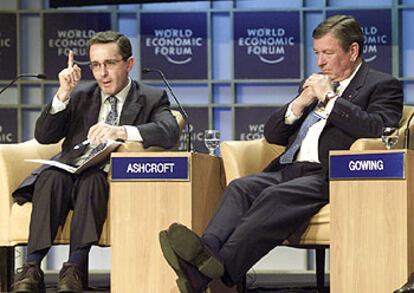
x: 110, y: 119
x: 311, y: 119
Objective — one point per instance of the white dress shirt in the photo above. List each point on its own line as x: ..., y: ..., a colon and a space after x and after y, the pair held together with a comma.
x: 308, y: 151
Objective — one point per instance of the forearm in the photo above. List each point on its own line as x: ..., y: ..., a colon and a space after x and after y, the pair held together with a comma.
x: 276, y: 130
x: 51, y: 128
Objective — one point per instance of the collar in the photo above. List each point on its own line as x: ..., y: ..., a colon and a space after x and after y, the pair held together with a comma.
x: 121, y: 96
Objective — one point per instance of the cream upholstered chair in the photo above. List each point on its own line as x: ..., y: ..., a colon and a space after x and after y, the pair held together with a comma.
x: 239, y: 162
x: 15, y: 219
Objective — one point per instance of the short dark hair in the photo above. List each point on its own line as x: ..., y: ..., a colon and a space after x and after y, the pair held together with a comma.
x: 345, y: 28
x: 106, y: 37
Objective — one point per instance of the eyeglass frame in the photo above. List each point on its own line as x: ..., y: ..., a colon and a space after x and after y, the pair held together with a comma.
x: 107, y: 64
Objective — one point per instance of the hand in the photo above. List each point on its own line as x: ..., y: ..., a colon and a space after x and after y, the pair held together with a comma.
x: 320, y: 85
x: 68, y: 78
x: 306, y: 97
x: 102, y: 132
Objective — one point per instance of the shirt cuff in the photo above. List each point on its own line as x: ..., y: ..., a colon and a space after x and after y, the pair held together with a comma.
x: 133, y: 133
x: 290, y: 117
x: 58, y: 105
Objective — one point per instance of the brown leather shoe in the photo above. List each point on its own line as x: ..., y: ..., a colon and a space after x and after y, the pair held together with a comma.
x: 70, y: 280
x: 29, y: 279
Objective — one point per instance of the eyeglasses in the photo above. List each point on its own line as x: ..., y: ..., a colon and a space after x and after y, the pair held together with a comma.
x: 108, y: 64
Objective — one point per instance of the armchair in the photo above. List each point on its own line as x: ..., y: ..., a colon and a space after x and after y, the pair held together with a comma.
x: 15, y: 219
x: 316, y: 234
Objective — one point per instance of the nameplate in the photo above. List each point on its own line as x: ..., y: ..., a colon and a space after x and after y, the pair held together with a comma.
x: 150, y: 168
x: 368, y: 166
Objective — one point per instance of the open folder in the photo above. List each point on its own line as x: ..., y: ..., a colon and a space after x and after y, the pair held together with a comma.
x: 100, y: 156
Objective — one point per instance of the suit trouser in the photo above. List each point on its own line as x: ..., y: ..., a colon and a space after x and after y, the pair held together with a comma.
x: 55, y: 193
x: 260, y: 211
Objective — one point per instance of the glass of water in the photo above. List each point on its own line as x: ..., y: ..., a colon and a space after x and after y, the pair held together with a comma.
x: 389, y: 137
x: 211, y: 140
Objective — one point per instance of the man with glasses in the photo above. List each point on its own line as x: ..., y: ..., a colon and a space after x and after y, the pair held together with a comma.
x: 86, y: 116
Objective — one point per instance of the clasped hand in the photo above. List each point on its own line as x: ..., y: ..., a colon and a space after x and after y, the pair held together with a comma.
x: 314, y: 89
x: 319, y: 84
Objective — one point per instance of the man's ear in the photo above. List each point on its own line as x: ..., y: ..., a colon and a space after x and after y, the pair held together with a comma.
x: 130, y: 63
x: 354, y: 51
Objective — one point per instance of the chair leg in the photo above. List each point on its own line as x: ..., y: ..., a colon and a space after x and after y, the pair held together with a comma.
x: 6, y: 268
x: 320, y: 269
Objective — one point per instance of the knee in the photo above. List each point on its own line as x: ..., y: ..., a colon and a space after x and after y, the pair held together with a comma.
x: 237, y: 189
x: 93, y: 178
x: 240, y: 185
x: 52, y: 185
x: 237, y: 183
x: 53, y: 175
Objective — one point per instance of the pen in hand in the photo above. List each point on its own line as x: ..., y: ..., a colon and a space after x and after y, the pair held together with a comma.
x: 83, y: 143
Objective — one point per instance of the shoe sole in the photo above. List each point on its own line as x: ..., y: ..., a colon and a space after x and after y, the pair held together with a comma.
x: 182, y: 282
x: 67, y: 290
x: 188, y: 246
x: 28, y: 289
x: 403, y: 290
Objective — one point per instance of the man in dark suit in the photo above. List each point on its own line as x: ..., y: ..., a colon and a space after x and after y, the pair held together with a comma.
x: 112, y: 108
x: 346, y: 101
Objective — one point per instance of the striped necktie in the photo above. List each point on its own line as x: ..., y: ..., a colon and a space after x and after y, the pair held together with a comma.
x: 112, y: 116
x: 111, y: 119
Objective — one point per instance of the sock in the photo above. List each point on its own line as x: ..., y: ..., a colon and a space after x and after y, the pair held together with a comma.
x: 79, y: 256
x: 37, y: 256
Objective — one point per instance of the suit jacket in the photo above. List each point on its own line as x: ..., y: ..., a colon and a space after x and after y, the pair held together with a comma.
x: 147, y: 108
x: 371, y: 101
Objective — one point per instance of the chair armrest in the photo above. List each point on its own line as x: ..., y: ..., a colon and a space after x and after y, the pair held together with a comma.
x: 14, y: 168
x: 376, y: 143
x: 241, y: 158
x: 137, y: 147
x: 367, y: 144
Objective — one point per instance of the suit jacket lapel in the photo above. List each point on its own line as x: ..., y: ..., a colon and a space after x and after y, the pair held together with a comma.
x: 92, y: 108
x: 132, y: 106
x: 351, y: 92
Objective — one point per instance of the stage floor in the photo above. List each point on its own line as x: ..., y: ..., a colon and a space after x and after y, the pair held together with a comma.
x: 257, y: 283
